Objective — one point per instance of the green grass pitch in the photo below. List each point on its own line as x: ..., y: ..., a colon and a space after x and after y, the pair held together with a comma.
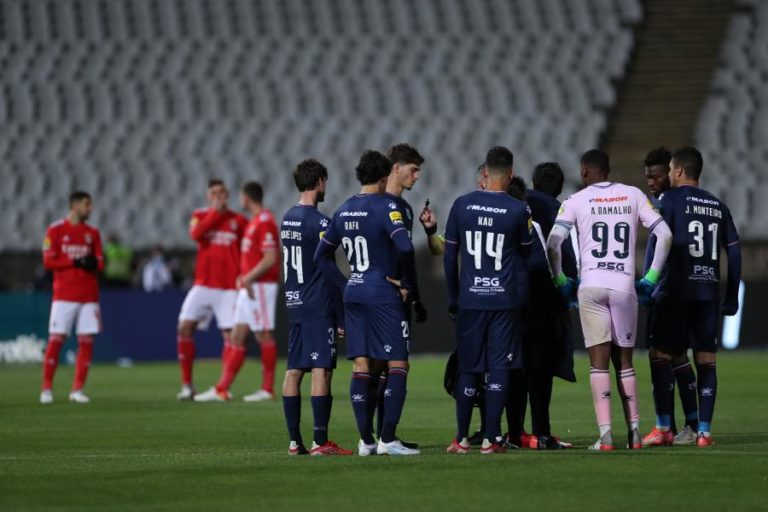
x: 135, y: 448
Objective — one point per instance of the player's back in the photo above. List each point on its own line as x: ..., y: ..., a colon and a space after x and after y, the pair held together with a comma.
x: 490, y: 228
x: 606, y: 216
x: 306, y: 295
x: 701, y: 225
x: 364, y: 225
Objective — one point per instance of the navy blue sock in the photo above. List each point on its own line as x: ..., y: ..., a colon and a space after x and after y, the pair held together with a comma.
x: 394, y: 398
x: 359, y: 389
x: 686, y: 386
x: 663, y: 380
x: 292, y: 410
x: 707, y: 394
x: 517, y: 399
x: 380, y: 403
x: 496, y: 392
x: 321, y: 410
x: 466, y: 391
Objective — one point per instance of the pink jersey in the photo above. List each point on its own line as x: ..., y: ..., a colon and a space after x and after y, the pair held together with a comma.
x: 606, y: 217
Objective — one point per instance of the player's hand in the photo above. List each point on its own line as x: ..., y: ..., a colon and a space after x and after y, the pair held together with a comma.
x: 729, y: 308
x: 645, y: 286
x: 644, y: 289
x: 428, y: 220
x: 419, y: 311
x: 399, y: 283
x: 89, y: 263
x: 245, y: 283
x: 340, y: 332
x: 453, y: 312
x: 568, y: 289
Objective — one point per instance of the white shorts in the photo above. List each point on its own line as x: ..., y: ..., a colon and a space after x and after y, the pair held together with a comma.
x: 84, y: 316
x: 203, y: 303
x: 257, y: 312
x: 608, y: 316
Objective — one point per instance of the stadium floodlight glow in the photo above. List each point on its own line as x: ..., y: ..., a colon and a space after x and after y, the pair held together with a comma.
x: 732, y: 324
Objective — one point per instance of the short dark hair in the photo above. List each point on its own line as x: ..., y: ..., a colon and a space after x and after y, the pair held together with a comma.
x: 253, y: 191
x: 596, y: 158
x: 660, y: 156
x: 372, y: 167
x: 548, y: 177
x: 214, y: 182
x: 77, y: 196
x: 308, y: 174
x: 499, y: 158
x: 404, y: 154
x: 516, y: 188
x: 690, y: 160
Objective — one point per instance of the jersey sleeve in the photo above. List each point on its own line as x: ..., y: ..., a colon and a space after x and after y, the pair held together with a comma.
x: 452, y: 235
x: 201, y: 223
x: 566, y: 215
x: 730, y: 234
x: 392, y: 220
x: 647, y: 213
x: 53, y: 259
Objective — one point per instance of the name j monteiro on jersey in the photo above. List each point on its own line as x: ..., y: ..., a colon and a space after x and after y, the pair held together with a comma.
x: 703, y: 210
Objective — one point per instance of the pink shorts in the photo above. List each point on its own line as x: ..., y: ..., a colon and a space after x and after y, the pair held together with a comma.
x: 608, y: 316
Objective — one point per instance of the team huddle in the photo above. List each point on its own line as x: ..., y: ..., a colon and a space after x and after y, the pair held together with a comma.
x: 511, y: 279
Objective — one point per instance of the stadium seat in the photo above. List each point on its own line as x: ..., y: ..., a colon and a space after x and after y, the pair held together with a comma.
x: 141, y: 102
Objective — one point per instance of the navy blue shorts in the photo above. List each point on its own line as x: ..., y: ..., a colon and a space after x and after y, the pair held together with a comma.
x: 489, y: 340
x: 312, y: 344
x: 676, y: 324
x: 377, y: 331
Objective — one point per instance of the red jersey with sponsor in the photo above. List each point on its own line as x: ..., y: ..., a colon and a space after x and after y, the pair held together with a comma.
x: 218, y: 236
x: 261, y: 235
x: 64, y: 243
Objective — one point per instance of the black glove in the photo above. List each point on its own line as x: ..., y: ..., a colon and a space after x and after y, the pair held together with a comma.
x: 453, y: 311
x: 420, y: 312
x: 430, y: 231
x: 89, y: 263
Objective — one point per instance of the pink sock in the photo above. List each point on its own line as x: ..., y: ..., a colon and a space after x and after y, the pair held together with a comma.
x: 600, y: 380
x: 628, y: 381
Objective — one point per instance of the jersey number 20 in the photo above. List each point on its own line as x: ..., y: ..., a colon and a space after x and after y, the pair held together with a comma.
x: 357, y: 253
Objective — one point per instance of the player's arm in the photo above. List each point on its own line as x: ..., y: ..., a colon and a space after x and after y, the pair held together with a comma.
x: 98, y: 251
x: 560, y: 233
x: 435, y: 242
x: 52, y: 258
x: 451, y: 262
x: 733, y: 251
x: 661, y: 235
x: 199, y: 226
x: 325, y: 259
x: 269, y: 253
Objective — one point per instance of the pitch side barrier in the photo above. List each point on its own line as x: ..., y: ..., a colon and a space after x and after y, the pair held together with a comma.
x: 141, y: 326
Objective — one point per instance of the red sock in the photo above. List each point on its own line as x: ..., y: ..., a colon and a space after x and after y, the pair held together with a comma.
x: 186, y: 349
x: 231, y: 367
x: 83, y: 361
x: 225, y: 351
x: 268, y: 363
x: 51, y: 359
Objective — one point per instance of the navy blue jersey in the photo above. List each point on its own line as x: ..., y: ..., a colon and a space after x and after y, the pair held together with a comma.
x: 544, y: 210
x: 364, y: 226
x: 405, y: 209
x: 491, y: 229
x: 701, y: 225
x: 306, y: 292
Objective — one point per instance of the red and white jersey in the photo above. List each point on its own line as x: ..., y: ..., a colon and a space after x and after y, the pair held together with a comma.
x: 261, y: 235
x: 64, y: 243
x: 218, y: 236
